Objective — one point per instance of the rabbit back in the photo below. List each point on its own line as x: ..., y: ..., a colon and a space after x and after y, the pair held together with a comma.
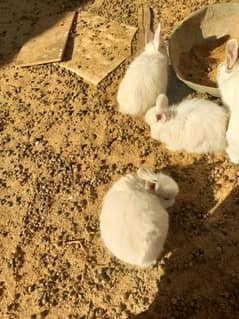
x: 227, y: 75
x: 228, y: 86
x: 232, y: 136
x: 145, y: 78
x: 134, y: 226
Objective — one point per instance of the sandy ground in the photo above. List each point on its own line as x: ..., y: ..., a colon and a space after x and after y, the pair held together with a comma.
x: 62, y: 144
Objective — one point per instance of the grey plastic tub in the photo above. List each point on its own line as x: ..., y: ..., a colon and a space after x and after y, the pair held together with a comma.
x: 213, y: 21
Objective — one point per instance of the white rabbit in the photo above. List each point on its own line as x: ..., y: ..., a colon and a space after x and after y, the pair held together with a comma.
x: 196, y: 125
x: 228, y: 83
x: 133, y: 220
x: 146, y: 77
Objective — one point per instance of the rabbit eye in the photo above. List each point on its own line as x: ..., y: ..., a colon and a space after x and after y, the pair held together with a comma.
x: 158, y: 117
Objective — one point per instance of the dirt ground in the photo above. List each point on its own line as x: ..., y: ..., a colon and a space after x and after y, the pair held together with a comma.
x: 62, y: 144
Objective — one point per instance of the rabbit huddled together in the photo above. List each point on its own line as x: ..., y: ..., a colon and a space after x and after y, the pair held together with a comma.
x: 134, y: 221
x: 195, y: 126
x: 146, y: 77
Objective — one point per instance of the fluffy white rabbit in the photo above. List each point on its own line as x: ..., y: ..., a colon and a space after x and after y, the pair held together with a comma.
x: 145, y: 78
x: 133, y: 220
x: 228, y: 83
x: 196, y: 125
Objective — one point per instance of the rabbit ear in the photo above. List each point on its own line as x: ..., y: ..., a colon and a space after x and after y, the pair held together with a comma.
x: 146, y: 174
x: 161, y: 102
x: 231, y: 53
x: 168, y: 188
x: 149, y: 36
x: 157, y: 37
x: 170, y: 185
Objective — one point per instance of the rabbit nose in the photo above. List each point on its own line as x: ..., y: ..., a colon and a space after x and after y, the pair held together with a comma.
x: 158, y: 117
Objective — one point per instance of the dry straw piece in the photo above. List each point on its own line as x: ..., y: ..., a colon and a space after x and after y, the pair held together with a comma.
x: 198, y: 32
x: 200, y: 64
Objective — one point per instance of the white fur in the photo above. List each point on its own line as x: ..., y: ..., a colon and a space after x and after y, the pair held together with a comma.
x: 195, y: 126
x: 133, y: 220
x: 145, y: 78
x: 228, y: 83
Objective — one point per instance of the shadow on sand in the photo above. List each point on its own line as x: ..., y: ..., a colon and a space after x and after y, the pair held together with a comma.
x: 201, y: 276
x: 18, y: 19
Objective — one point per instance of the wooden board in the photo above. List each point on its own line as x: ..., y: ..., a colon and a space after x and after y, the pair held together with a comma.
x: 48, y: 41
x: 144, y: 24
x: 97, y: 47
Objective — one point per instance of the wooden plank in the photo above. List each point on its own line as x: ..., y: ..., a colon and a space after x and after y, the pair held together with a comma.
x: 144, y: 24
x: 141, y: 37
x: 147, y: 18
x: 97, y: 46
x: 48, y: 41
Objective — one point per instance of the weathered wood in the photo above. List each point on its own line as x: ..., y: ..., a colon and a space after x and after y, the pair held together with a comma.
x: 49, y: 45
x: 144, y: 24
x: 97, y: 47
